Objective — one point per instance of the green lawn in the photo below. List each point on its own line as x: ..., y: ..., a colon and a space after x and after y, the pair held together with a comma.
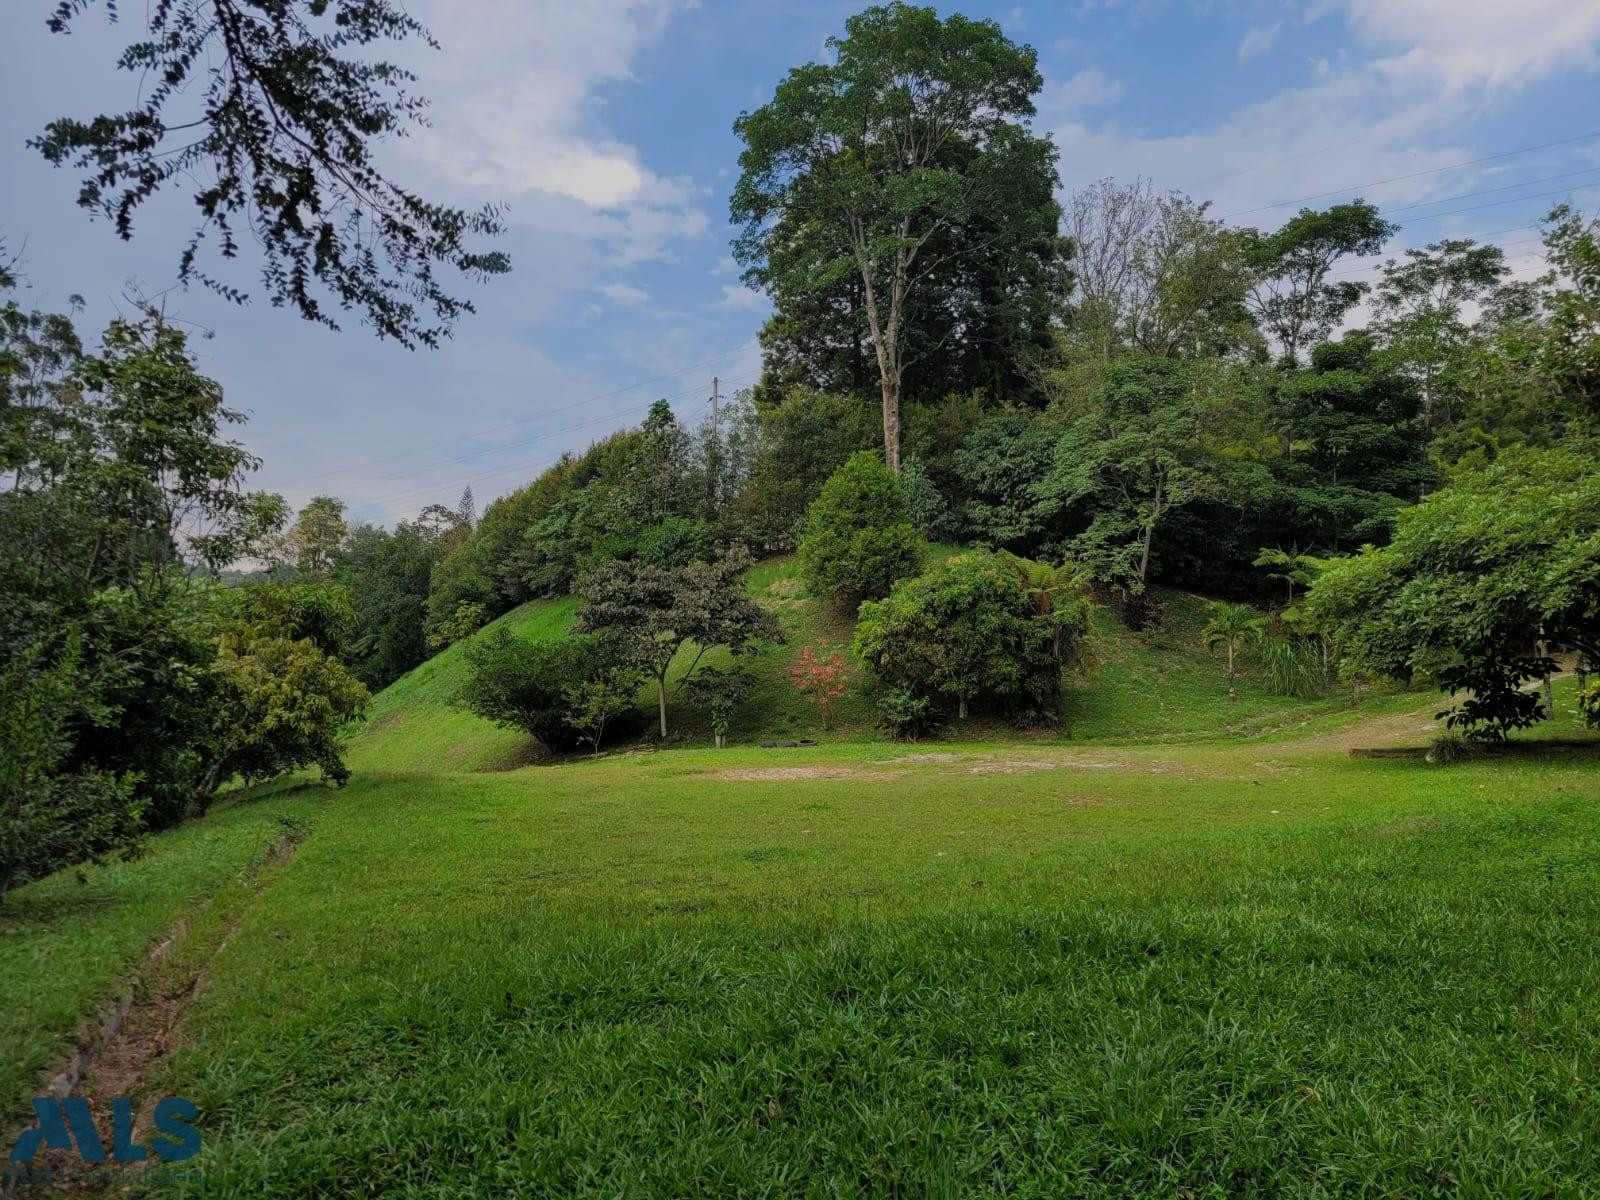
x: 64, y: 944
x: 1231, y: 962
x: 1229, y: 969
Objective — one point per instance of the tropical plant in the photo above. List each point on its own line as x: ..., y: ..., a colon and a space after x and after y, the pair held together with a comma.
x: 1060, y: 595
x: 1230, y: 626
x: 1290, y: 568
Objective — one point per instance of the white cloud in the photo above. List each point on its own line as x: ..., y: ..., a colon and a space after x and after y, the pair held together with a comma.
x: 1259, y: 41
x: 1496, y: 44
x: 1430, y: 65
x: 518, y: 116
x: 1016, y: 19
x: 624, y: 294
x: 1088, y: 88
x: 742, y: 299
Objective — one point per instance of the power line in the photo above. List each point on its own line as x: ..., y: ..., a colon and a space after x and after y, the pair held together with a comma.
x: 1471, y: 162
x: 1389, y: 212
x: 1493, y: 204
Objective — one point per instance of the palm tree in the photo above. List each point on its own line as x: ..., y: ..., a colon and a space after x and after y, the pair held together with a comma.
x: 1231, y: 625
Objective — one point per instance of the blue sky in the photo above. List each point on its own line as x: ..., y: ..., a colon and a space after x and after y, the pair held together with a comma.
x: 604, y: 126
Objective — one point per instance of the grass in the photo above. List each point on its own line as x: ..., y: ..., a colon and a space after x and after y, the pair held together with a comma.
x: 1231, y: 962
x: 64, y: 944
x: 1159, y: 685
x: 1166, y: 971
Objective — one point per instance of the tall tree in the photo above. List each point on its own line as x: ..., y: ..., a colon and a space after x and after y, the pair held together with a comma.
x: 271, y: 112
x: 980, y: 320
x: 1139, y: 453
x: 317, y: 537
x: 1295, y: 296
x: 1418, y: 305
x: 857, y: 166
x: 1355, y: 452
x: 1154, y: 274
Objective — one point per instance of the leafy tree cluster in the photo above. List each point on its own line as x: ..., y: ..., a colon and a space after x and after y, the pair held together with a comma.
x: 962, y: 632
x: 135, y: 685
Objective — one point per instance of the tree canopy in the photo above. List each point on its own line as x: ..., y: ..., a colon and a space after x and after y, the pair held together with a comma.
x: 879, y: 166
x: 270, y: 112
x: 1481, y: 581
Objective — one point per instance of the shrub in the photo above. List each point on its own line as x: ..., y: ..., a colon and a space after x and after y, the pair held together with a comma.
x: 819, y: 676
x: 278, y: 705
x: 1452, y: 747
x: 905, y: 715
x: 522, y: 684
x: 859, y: 537
x: 964, y: 630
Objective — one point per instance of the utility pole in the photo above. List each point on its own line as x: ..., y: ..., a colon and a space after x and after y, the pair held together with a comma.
x: 711, y: 449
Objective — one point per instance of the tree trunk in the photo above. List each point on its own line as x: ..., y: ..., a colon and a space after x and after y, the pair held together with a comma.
x: 206, y: 788
x: 891, y: 422
x: 1232, y: 692
x: 1542, y: 648
x: 661, y: 702
x: 1144, y: 557
x: 961, y: 708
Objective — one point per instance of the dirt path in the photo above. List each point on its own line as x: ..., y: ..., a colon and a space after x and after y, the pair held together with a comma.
x: 124, y: 1050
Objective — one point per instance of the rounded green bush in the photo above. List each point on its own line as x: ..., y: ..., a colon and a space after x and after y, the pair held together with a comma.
x: 859, y: 538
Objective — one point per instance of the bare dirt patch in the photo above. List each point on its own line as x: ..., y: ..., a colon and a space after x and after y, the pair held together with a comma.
x: 1012, y: 766
x: 790, y: 774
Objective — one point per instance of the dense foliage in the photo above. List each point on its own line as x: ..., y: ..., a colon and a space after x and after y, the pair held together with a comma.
x: 964, y: 631
x: 1482, y: 583
x: 133, y: 684
x: 859, y: 537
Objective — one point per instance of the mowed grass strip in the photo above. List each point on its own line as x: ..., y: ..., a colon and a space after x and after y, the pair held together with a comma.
x: 1183, y: 970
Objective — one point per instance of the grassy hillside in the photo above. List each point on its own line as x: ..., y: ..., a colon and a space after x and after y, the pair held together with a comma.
x: 1156, y: 685
x: 412, y: 725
